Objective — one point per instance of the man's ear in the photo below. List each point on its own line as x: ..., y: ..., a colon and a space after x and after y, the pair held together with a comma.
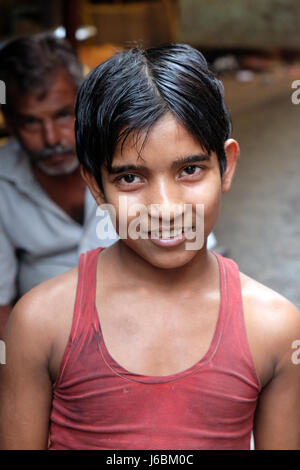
x: 232, y: 151
x: 93, y: 185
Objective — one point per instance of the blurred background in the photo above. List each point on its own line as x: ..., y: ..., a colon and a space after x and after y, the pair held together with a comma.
x: 254, y: 46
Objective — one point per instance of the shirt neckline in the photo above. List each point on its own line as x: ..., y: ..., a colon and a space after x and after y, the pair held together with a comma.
x: 24, y: 179
x: 121, y: 371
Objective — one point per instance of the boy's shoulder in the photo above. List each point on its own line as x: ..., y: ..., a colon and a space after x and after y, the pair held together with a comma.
x: 51, y: 296
x: 267, y: 308
x: 266, y: 303
x: 43, y: 316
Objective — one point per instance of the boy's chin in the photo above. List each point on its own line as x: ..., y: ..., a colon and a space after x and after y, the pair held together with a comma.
x: 162, y: 258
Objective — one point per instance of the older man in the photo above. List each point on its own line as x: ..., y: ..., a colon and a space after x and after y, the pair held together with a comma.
x: 47, y: 214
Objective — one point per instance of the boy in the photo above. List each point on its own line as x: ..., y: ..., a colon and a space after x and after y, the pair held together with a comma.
x: 153, y: 343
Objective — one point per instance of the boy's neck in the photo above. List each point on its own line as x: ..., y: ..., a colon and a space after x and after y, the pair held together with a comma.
x: 200, y: 271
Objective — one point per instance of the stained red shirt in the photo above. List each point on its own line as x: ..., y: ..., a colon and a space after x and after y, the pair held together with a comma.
x: 97, y: 404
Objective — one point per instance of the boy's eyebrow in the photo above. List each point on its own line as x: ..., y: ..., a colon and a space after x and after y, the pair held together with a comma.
x: 123, y: 168
x: 179, y: 161
x: 201, y: 157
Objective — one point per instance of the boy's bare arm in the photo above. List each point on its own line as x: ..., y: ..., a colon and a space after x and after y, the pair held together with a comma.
x: 35, y: 337
x: 277, y: 418
x: 25, y: 386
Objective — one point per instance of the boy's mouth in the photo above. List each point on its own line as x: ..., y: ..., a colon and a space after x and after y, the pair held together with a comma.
x: 165, y: 233
x: 169, y: 237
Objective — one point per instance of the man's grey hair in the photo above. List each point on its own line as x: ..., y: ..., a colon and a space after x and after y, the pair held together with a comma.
x: 30, y: 64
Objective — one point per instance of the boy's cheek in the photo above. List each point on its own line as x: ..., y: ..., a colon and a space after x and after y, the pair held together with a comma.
x: 211, y: 214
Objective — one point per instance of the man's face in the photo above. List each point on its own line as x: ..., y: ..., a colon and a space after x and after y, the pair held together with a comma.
x: 45, y: 126
x: 173, y: 171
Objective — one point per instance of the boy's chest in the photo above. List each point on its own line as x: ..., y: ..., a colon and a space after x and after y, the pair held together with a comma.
x: 148, y: 335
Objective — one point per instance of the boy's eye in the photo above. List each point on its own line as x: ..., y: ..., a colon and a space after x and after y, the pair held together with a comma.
x: 129, y: 179
x: 191, y: 170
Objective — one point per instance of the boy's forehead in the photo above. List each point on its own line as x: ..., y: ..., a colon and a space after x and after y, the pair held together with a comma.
x: 166, y: 139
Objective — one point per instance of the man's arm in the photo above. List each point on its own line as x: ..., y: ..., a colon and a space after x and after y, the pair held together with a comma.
x: 277, y: 418
x: 4, y: 314
x: 25, y: 385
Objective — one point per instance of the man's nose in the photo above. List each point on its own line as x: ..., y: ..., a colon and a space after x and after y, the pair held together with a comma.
x: 51, y: 134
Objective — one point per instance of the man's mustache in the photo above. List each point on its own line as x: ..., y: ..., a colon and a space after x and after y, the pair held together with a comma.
x: 56, y: 150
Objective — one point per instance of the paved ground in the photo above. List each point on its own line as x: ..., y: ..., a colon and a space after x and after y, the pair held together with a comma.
x: 260, y: 219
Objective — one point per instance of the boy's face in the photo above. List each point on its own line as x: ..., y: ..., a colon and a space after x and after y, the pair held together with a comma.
x: 172, y: 172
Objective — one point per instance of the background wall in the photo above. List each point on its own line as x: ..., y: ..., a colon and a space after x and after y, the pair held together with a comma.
x: 240, y: 23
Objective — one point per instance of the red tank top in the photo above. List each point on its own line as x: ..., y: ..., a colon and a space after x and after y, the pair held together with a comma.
x: 97, y: 404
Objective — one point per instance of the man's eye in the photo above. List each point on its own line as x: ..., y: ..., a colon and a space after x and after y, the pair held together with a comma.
x: 191, y: 170
x: 31, y: 123
x: 65, y: 114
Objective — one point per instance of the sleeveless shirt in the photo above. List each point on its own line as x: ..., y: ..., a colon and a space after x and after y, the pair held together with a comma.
x: 98, y: 404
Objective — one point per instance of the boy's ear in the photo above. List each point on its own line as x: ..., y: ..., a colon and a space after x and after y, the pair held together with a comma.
x: 93, y: 185
x: 232, y: 151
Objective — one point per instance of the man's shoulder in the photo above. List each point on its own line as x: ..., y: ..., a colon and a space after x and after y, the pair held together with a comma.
x: 9, y: 157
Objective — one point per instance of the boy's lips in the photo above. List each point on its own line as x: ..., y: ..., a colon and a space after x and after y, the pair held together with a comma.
x: 168, y: 242
x: 168, y: 238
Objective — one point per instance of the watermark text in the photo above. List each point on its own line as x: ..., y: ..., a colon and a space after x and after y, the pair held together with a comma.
x: 2, y: 92
x: 2, y: 352
x: 163, y: 222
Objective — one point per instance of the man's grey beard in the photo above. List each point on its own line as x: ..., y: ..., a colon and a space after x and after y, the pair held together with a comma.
x: 60, y: 170
x: 40, y: 160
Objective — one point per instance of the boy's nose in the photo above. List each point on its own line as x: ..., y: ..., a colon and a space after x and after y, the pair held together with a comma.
x: 164, y: 193
x: 166, y: 201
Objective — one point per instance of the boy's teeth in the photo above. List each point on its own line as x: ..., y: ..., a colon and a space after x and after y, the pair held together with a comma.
x: 170, y: 233
x: 166, y: 234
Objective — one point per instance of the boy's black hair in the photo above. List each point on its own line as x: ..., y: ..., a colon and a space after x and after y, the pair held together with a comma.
x: 131, y: 90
